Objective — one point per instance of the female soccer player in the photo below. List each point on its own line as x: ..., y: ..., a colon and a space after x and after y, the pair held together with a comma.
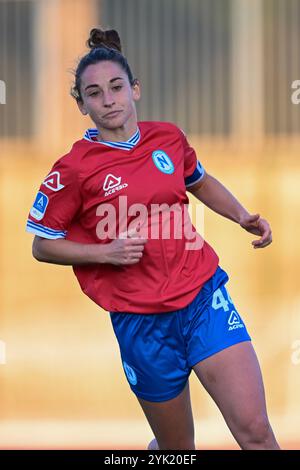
x: 114, y: 208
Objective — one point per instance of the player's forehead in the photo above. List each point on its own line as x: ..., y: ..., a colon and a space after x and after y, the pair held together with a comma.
x: 102, y: 73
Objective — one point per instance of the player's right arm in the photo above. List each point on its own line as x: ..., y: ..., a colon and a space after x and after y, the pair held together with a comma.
x: 57, y: 203
x: 66, y: 252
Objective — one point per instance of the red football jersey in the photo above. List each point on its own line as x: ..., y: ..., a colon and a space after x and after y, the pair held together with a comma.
x: 101, y: 189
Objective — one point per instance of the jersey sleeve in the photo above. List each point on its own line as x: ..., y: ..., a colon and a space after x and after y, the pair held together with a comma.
x: 193, y: 170
x: 56, y: 203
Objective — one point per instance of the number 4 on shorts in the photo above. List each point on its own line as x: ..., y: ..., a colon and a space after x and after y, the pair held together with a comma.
x: 219, y: 300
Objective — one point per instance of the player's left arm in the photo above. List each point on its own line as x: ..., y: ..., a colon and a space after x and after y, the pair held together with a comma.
x: 215, y: 196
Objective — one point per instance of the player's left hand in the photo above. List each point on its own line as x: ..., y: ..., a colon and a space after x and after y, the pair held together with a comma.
x: 258, y: 226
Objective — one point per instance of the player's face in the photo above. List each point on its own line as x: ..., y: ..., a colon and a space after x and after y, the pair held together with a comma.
x: 107, y: 95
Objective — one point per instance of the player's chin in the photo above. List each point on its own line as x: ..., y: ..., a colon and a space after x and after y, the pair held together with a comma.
x: 113, y: 123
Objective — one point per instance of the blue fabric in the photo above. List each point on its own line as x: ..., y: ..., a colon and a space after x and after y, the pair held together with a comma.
x: 196, y: 176
x: 158, y: 351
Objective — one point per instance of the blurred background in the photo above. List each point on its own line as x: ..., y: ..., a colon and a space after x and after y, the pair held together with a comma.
x: 224, y: 71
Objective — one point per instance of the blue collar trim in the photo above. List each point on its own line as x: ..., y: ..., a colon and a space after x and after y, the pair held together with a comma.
x: 90, y: 135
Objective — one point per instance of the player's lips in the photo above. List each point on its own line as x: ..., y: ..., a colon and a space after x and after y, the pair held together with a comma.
x: 112, y: 114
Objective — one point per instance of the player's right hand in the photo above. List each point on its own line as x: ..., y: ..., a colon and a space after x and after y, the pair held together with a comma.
x: 126, y: 250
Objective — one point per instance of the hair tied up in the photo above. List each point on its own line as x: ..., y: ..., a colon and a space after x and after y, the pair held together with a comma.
x: 100, y: 38
x: 104, y: 46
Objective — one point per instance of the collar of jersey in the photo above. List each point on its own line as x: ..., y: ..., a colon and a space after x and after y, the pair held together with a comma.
x: 90, y: 135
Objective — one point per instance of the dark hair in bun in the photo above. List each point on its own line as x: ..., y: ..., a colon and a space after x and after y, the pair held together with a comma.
x: 109, y: 38
x: 104, y: 45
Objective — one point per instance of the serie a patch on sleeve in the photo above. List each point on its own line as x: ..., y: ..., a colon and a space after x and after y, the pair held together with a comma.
x: 39, y: 206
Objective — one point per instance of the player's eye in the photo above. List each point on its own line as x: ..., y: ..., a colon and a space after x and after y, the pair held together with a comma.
x: 117, y: 88
x: 94, y: 93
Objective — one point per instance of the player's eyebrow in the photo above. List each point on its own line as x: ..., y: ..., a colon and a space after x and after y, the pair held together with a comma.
x: 110, y: 81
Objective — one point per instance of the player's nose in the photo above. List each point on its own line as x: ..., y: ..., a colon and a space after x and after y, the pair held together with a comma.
x: 108, y: 99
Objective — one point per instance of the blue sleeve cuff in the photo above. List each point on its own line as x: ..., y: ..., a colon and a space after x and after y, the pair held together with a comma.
x: 45, y: 232
x: 196, y: 176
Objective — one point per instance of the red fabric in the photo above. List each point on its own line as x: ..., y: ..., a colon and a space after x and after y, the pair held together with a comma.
x: 169, y: 275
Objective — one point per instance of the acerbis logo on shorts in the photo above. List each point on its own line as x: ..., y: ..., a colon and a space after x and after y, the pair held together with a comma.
x: 234, y: 321
x: 130, y: 374
x: 113, y: 184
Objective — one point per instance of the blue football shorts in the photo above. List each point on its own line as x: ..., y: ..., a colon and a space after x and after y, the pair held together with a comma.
x: 158, y: 351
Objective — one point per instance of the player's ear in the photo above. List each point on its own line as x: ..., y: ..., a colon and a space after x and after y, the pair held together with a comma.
x: 82, y: 107
x: 136, y: 90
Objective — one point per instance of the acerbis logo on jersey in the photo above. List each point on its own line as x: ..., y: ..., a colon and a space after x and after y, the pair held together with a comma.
x: 234, y: 321
x: 39, y: 206
x: 112, y: 184
x: 52, y: 181
x: 163, y: 162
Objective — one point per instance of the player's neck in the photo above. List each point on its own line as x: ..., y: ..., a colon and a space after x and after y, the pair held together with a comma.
x: 121, y: 134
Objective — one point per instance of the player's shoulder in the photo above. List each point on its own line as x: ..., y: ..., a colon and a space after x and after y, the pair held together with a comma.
x: 73, y: 157
x: 160, y: 126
